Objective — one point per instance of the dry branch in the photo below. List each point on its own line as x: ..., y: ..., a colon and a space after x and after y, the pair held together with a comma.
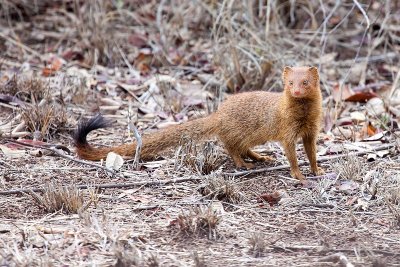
x: 107, y: 186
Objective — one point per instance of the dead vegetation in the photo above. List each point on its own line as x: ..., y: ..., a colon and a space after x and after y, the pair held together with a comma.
x: 219, y: 188
x: 198, y: 221
x: 64, y: 199
x: 171, y: 61
x: 203, y: 158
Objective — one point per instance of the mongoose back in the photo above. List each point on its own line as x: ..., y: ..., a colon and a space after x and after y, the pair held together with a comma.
x: 243, y: 121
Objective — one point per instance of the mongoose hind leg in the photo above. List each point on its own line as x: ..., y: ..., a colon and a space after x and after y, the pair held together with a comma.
x: 238, y: 160
x: 257, y: 157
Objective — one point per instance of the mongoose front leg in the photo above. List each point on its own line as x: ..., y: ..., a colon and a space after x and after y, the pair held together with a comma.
x: 310, y: 146
x: 257, y: 157
x: 290, y: 152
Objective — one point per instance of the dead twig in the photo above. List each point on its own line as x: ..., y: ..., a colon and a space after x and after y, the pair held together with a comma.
x: 107, y: 186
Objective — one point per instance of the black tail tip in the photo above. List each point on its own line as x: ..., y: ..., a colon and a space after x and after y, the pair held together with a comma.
x: 85, y: 127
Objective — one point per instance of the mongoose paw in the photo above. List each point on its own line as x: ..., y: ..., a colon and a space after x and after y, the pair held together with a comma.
x: 318, y: 171
x: 246, y: 166
x: 266, y: 158
x: 298, y: 175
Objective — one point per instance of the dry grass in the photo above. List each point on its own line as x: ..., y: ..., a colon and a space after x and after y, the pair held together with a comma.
x: 223, y: 189
x: 198, y: 221
x: 199, y: 260
x: 44, y: 119
x: 203, y: 158
x: 131, y: 257
x: 257, y: 244
x: 62, y: 199
x: 350, y: 167
x: 28, y: 89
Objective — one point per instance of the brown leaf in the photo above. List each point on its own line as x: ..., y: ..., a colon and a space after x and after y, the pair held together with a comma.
x: 53, y: 67
x: 138, y: 40
x: 143, y: 62
x: 272, y: 199
x: 346, y: 92
x: 70, y: 55
x: 361, y: 97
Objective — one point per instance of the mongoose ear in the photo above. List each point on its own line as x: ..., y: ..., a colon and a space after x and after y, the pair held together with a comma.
x: 314, y: 71
x: 286, y: 70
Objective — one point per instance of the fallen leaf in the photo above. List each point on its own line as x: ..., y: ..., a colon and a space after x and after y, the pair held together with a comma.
x: 143, y: 61
x: 138, y: 40
x: 339, y: 96
x: 155, y: 164
x: 272, y: 199
x: 53, y: 67
x: 347, y: 186
x: 361, y: 204
x: 343, y: 132
x: 382, y: 153
x: 375, y: 106
x: 344, y: 121
x: 331, y: 150
x: 217, y: 207
x: 357, y: 116
x: 361, y: 97
x: 114, y: 161
x: 71, y: 55
x: 12, y: 152
x: 371, y: 130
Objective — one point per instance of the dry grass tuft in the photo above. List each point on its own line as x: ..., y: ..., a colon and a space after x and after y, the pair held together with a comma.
x: 198, y: 221
x: 257, y: 244
x: 44, y: 119
x: 350, y: 167
x: 153, y: 261
x: 26, y: 89
x: 217, y: 187
x: 395, y: 211
x: 126, y: 258
x: 67, y: 199
x: 41, y: 112
x: 198, y: 260
x: 203, y: 158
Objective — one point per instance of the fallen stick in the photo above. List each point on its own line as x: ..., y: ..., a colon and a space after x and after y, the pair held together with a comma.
x: 303, y: 162
x: 107, y: 186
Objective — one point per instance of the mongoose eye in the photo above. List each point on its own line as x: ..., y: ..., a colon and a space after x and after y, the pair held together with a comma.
x: 290, y: 83
x: 305, y: 82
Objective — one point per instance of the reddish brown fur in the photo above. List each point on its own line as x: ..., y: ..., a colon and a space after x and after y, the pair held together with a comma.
x: 246, y: 120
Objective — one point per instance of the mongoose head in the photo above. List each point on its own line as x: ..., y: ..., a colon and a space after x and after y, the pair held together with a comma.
x: 301, y: 82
